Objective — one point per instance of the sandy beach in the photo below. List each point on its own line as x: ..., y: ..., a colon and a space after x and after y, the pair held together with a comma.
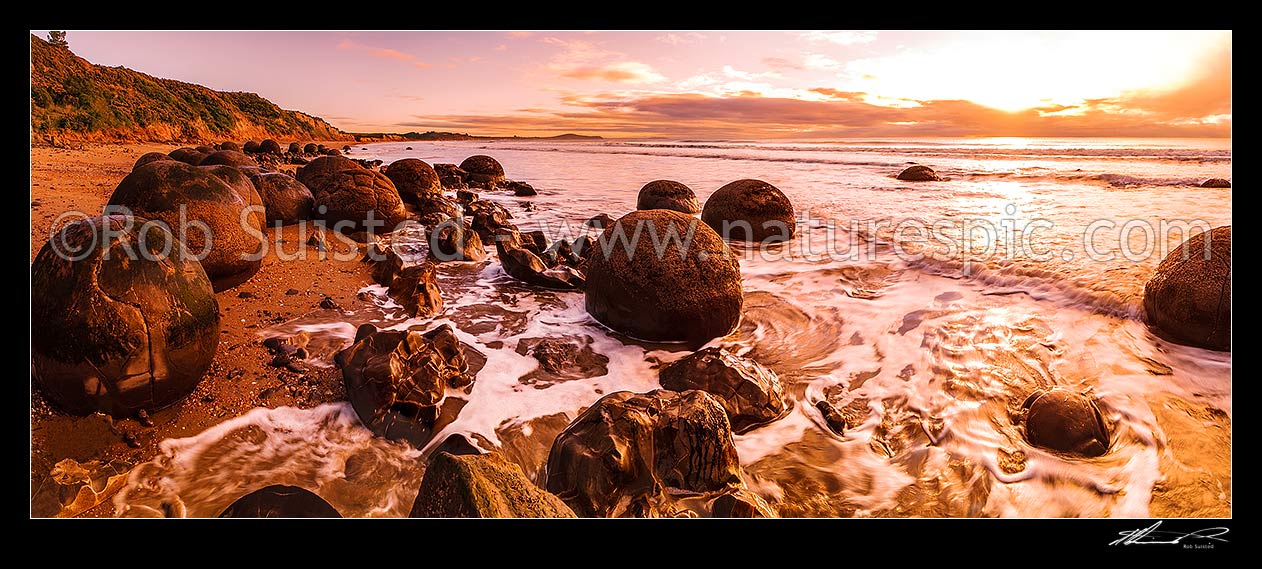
x: 65, y: 180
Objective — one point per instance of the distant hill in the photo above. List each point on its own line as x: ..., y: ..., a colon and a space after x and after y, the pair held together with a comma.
x: 73, y: 99
x: 446, y: 136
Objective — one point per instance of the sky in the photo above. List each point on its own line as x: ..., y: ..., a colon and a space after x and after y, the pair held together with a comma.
x: 714, y: 84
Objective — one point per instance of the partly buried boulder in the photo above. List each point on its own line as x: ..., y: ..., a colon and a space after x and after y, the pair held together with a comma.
x: 150, y: 157
x: 750, y: 393
x: 397, y: 379
x: 133, y: 329
x: 310, y: 148
x: 1216, y: 183
x: 1188, y: 299
x: 455, y: 240
x: 280, y: 501
x: 250, y: 147
x: 191, y: 156
x: 285, y: 199
x: 1065, y: 422
x: 173, y: 192
x: 668, y: 194
x: 228, y: 158
x: 482, y: 168
x: 482, y: 486
x: 599, y: 221
x: 230, y: 146
x: 415, y: 180
x: 269, y: 146
x: 525, y: 264
x: 750, y: 210
x: 351, y: 195
x: 919, y: 174
x: 521, y: 189
x: 295, y: 148
x: 631, y: 454
x: 688, y: 293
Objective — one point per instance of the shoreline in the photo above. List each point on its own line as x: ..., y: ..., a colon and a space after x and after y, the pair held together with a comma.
x: 240, y: 377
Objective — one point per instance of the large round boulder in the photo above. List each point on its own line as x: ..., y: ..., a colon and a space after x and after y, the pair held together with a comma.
x: 483, y: 168
x: 230, y: 146
x: 348, y: 195
x: 1188, y: 299
x: 1065, y: 422
x: 269, y: 146
x: 668, y: 194
x: 241, y: 183
x: 1216, y: 183
x: 119, y: 323
x: 285, y: 199
x: 688, y: 293
x: 280, y: 501
x: 750, y: 393
x: 250, y: 147
x: 630, y: 454
x: 191, y: 156
x: 750, y: 210
x: 482, y: 486
x: 186, y: 197
x: 310, y: 148
x: 150, y: 157
x: 295, y: 148
x: 415, y: 180
x: 228, y: 158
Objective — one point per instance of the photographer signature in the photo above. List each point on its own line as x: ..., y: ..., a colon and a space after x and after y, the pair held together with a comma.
x: 1150, y: 536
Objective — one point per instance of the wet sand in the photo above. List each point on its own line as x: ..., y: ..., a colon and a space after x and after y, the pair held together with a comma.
x: 239, y: 379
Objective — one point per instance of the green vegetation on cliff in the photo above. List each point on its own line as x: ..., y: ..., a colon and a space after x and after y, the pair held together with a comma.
x: 74, y: 99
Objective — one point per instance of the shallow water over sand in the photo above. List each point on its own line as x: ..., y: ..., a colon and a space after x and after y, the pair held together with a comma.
x: 927, y: 358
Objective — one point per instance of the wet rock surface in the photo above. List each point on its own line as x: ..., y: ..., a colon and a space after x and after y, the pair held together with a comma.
x: 750, y: 393
x: 750, y: 210
x: 1188, y: 298
x: 280, y: 501
x: 668, y: 194
x: 1065, y: 422
x: 629, y: 454
x: 482, y: 486
x: 114, y: 334
x: 918, y: 174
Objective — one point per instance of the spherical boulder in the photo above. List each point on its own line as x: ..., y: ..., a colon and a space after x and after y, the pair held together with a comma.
x: 280, y: 501
x: 250, y: 147
x: 918, y: 174
x: 1216, y: 183
x: 750, y: 210
x: 230, y: 146
x: 1065, y: 422
x: 227, y: 158
x: 310, y: 148
x: 243, y: 186
x: 187, y: 155
x: 688, y: 293
x: 295, y: 148
x: 483, y: 168
x: 1188, y: 299
x: 415, y: 179
x: 206, y: 213
x: 285, y: 199
x: 119, y: 323
x: 668, y: 194
x: 269, y: 146
x: 348, y: 195
x: 150, y: 157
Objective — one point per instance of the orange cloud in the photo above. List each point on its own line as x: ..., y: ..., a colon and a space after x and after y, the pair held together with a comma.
x: 519, y: 35
x: 383, y: 53
x: 622, y: 72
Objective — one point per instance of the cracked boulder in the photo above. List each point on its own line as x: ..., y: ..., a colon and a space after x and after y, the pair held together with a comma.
x: 637, y: 454
x: 131, y: 330
x: 750, y: 393
x: 523, y: 264
x: 350, y: 197
x: 397, y: 379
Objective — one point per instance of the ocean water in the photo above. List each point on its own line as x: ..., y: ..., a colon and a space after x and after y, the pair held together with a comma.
x: 927, y: 311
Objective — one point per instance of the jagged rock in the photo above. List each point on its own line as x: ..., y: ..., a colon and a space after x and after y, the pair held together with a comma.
x: 482, y: 486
